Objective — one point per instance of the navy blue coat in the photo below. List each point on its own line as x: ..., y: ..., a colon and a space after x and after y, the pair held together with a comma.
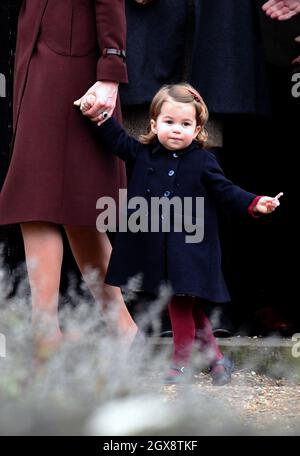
x: 155, y: 48
x: 228, y: 64
x: 190, y: 268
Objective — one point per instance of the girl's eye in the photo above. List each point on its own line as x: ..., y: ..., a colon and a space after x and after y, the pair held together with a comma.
x: 169, y: 122
x: 186, y: 124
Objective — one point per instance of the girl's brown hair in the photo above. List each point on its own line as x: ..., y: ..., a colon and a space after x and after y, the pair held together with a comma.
x: 183, y: 93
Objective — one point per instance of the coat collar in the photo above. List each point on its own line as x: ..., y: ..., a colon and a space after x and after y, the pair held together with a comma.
x: 158, y: 148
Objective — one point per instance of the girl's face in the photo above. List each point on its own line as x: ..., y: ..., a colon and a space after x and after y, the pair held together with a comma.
x: 176, y: 126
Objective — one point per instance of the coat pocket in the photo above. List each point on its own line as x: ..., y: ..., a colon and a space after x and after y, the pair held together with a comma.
x: 69, y: 27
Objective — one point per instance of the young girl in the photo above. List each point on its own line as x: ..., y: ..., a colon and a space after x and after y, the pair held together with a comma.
x: 170, y: 161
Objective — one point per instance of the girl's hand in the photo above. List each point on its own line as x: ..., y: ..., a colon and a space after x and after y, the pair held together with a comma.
x: 85, y: 103
x: 99, y: 102
x: 266, y: 204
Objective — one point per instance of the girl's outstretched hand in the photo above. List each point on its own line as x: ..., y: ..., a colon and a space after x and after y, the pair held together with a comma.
x: 267, y: 204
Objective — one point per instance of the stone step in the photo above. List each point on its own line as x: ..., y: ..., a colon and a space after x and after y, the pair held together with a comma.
x: 274, y: 356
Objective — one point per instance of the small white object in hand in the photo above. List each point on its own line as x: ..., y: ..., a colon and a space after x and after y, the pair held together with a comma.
x: 277, y: 198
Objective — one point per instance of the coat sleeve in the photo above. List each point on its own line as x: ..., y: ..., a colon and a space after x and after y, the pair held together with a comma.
x: 225, y: 193
x: 117, y: 141
x: 111, y: 31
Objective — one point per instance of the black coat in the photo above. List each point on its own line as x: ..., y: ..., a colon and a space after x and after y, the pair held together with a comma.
x: 155, y: 48
x: 225, y: 61
x: 190, y: 268
x: 228, y: 63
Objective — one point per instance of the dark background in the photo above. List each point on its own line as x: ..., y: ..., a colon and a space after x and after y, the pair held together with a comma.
x: 260, y: 154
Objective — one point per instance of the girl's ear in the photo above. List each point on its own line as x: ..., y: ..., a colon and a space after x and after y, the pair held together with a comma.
x: 153, y: 126
x: 197, y: 131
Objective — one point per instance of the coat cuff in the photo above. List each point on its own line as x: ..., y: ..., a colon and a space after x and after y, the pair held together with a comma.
x: 252, y: 206
x: 112, y: 68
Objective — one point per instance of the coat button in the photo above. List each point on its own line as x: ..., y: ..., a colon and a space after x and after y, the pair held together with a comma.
x: 148, y: 190
x: 175, y: 155
x: 167, y: 193
x: 150, y: 170
x: 171, y: 172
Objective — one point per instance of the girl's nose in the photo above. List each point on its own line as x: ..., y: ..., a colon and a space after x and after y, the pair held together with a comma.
x: 176, y: 128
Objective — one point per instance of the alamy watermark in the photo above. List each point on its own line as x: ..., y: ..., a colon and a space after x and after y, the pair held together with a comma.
x: 296, y: 86
x: 296, y: 345
x: 154, y: 215
x: 2, y: 346
x: 2, y: 85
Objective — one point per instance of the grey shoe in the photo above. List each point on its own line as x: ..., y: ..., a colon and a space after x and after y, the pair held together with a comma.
x: 175, y: 375
x: 222, y: 377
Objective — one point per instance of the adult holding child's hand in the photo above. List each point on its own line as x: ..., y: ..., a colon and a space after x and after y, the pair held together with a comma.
x: 99, y: 102
x: 59, y: 168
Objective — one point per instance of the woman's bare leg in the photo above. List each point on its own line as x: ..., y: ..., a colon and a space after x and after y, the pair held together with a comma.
x: 44, y: 252
x: 92, y: 251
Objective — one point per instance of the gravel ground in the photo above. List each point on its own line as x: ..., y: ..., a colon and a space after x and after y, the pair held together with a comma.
x: 263, y: 404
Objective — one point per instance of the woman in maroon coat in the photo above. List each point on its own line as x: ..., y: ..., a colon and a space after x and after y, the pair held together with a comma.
x: 57, y: 171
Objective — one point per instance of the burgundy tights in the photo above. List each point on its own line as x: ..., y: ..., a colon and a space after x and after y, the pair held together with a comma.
x: 189, y: 322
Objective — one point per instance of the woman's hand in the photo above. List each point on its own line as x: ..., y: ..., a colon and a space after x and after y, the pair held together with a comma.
x: 281, y: 9
x: 267, y: 204
x: 99, y: 102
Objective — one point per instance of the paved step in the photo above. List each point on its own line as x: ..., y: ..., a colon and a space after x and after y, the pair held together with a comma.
x: 275, y: 356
